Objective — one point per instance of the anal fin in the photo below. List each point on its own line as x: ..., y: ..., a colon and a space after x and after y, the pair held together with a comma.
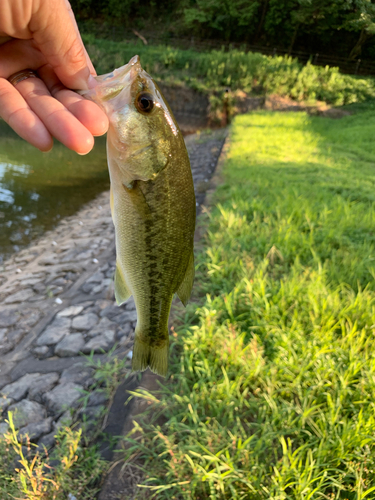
x: 122, y: 292
x: 184, y: 290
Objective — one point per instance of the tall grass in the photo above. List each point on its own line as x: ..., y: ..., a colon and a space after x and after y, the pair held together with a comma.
x: 212, y: 71
x: 273, y: 376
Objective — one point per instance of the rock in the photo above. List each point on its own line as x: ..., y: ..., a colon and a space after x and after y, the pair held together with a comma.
x: 125, y: 330
x: 85, y: 322
x: 111, y: 311
x: 3, y: 334
x: 18, y: 390
x: 48, y: 260
x: 47, y: 441
x: 44, y: 383
x: 66, y: 419
x: 42, y: 352
x: 9, y: 317
x: 100, y: 343
x: 87, y: 287
x: 14, y: 336
x: 92, y: 412
x: 5, y: 402
x: 96, y: 278
x: 130, y: 304
x: 5, y: 348
x: 126, y: 317
x: 71, y: 345
x: 27, y: 412
x: 101, y: 286
x: 35, y: 430
x: 55, y: 332
x: 97, y: 398
x: 21, y: 296
x: 70, y: 311
x: 63, y: 396
x: 3, y: 428
x: 104, y: 325
x: 29, y: 318
x: 78, y: 374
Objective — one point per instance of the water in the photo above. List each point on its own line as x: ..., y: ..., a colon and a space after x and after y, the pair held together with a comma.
x: 38, y: 189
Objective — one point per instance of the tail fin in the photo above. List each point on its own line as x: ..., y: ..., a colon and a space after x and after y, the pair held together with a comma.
x: 145, y: 355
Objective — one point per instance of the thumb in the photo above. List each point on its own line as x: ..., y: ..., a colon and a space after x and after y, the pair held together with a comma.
x: 56, y: 34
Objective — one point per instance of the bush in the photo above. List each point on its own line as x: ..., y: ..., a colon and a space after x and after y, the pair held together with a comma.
x: 214, y: 71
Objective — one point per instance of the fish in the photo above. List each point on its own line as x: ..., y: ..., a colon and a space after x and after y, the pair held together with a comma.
x: 152, y: 204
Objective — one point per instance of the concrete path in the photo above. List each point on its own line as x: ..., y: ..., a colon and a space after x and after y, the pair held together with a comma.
x: 57, y: 302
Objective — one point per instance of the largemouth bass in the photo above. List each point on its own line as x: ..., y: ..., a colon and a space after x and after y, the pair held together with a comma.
x: 152, y: 203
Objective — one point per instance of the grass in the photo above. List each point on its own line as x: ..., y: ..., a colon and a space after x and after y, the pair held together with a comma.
x: 75, y: 465
x: 212, y: 72
x: 271, y: 394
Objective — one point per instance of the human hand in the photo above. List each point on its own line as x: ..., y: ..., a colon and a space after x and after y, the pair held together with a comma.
x: 42, y: 35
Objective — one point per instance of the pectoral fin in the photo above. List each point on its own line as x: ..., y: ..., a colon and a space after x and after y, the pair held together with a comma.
x: 122, y: 292
x: 184, y: 290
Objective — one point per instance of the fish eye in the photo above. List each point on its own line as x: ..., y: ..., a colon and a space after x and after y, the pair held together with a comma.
x: 144, y: 102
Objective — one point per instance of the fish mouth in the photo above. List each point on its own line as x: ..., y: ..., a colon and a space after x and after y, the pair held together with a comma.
x: 119, y: 73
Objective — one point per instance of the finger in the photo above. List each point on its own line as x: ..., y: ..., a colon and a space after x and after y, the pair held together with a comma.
x: 15, y: 111
x: 87, y: 112
x: 17, y: 55
x: 56, y: 37
x: 57, y: 119
x: 73, y: 19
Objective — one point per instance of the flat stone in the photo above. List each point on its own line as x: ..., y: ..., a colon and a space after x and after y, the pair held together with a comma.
x: 14, y: 336
x: 43, y: 384
x: 106, y: 283
x: 47, y: 441
x: 55, y: 332
x: 126, y: 317
x: 92, y: 412
x: 18, y: 390
x: 3, y: 334
x: 64, y: 421
x: 78, y: 374
x: 111, y: 311
x: 98, y: 398
x: 21, y: 296
x: 3, y: 428
x: 96, y: 278
x: 130, y: 304
x: 104, y: 325
x: 71, y: 345
x: 100, y: 343
x: 70, y: 311
x: 27, y: 412
x: 48, y: 260
x: 29, y: 318
x: 63, y: 396
x: 9, y: 317
x: 85, y: 322
x: 35, y: 430
x: 125, y: 330
x: 42, y: 352
x: 5, y: 402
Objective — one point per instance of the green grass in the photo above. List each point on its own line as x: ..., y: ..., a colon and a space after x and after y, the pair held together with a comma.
x: 273, y: 375
x: 213, y: 71
x: 75, y: 465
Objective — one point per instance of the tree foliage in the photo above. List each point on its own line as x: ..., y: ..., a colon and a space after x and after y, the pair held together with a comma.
x: 343, y: 26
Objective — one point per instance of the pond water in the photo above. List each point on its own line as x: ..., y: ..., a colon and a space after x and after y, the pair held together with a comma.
x: 38, y: 189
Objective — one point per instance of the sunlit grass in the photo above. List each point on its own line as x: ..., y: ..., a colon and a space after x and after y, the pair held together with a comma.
x: 273, y: 375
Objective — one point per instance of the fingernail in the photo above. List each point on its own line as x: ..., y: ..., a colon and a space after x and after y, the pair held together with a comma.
x: 91, y: 82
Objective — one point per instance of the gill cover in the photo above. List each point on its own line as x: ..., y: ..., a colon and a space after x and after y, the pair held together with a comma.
x: 142, y: 128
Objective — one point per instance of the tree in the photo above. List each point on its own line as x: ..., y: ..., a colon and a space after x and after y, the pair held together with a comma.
x: 361, y: 18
